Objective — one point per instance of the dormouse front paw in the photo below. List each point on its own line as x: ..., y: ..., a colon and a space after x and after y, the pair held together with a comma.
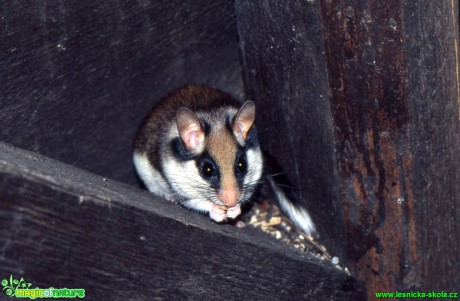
x: 170, y: 198
x: 218, y: 213
x: 234, y: 211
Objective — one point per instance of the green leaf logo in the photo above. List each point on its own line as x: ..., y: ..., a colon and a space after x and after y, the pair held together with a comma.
x: 12, y: 285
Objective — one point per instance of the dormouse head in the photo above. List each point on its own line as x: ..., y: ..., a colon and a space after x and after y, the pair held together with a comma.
x: 219, y: 155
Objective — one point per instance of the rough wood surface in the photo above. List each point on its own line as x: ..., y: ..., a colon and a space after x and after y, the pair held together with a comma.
x: 285, y: 74
x: 368, y: 78
x: 64, y: 227
x: 78, y: 77
x: 392, y: 73
x: 369, y: 90
x: 432, y: 28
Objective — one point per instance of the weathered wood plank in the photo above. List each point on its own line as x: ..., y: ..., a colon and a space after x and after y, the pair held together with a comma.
x: 386, y: 133
x: 392, y: 92
x: 64, y: 227
x: 285, y: 74
x: 368, y: 78
x: 432, y: 29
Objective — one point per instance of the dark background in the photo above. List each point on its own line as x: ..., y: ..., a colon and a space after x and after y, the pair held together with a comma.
x: 78, y: 77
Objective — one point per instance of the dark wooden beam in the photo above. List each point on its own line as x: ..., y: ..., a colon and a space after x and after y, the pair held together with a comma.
x: 367, y: 75
x: 393, y: 75
x: 285, y: 74
x: 363, y: 110
x: 64, y: 227
x: 433, y: 87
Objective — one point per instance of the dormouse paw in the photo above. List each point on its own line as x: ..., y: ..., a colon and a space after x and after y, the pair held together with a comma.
x: 170, y: 198
x: 218, y: 213
x: 234, y: 211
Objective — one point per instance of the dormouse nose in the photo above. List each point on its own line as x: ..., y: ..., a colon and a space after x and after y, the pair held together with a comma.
x: 230, y: 196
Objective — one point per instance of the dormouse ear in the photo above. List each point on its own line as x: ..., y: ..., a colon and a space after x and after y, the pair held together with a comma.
x: 190, y: 130
x: 243, y: 120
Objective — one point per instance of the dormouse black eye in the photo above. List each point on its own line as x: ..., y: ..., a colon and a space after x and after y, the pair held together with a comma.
x: 207, y: 169
x: 241, y: 166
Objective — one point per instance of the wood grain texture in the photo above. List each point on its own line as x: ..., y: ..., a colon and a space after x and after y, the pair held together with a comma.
x: 367, y: 75
x: 285, y: 74
x: 386, y: 135
x: 78, y: 77
x: 433, y: 92
x: 64, y: 227
x: 387, y: 110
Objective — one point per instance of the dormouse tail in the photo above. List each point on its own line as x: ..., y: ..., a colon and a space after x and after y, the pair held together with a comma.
x: 297, y: 214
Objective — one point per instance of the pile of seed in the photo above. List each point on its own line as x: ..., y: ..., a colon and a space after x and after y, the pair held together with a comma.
x: 268, y: 218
